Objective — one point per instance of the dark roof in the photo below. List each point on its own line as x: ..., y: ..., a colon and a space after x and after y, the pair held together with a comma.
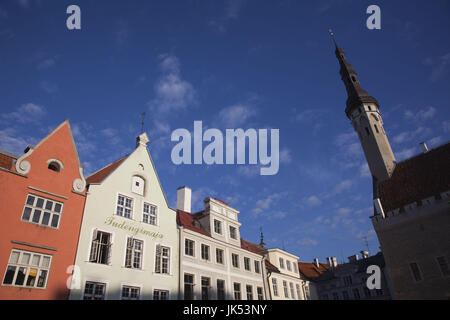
x: 270, y: 267
x: 310, y: 271
x: 101, y: 174
x: 417, y: 178
x: 189, y: 221
x: 7, y: 159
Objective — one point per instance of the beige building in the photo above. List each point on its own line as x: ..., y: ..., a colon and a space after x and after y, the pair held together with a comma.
x: 215, y: 263
x: 411, y: 200
x: 283, y: 278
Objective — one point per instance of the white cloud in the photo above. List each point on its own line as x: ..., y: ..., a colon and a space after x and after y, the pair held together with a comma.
x: 421, y: 115
x: 236, y: 115
x: 435, y: 141
x: 231, y: 12
x: 49, y: 87
x: 263, y: 205
x: 285, y: 156
x: 307, y: 242
x: 344, y: 211
x: 439, y: 66
x: 10, y: 142
x: 446, y: 126
x: 46, y: 63
x: 26, y: 113
x: 342, y: 186
x: 312, y: 201
x: 171, y: 91
x: 405, y: 153
x: 364, y: 170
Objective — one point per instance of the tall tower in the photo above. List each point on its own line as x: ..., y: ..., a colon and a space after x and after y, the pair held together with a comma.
x: 363, y: 111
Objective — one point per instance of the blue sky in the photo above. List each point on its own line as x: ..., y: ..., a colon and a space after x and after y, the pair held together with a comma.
x: 233, y: 64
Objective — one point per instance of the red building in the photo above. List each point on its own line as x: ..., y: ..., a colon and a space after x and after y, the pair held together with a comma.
x: 42, y: 195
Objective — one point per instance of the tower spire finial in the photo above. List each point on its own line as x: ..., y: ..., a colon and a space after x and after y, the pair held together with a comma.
x: 142, y: 122
x: 261, y: 242
x: 332, y: 36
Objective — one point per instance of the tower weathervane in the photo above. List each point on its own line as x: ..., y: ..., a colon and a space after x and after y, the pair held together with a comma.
x: 332, y: 36
x: 142, y: 122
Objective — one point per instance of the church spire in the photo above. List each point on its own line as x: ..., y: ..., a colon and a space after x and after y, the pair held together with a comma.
x: 356, y: 94
x: 363, y: 111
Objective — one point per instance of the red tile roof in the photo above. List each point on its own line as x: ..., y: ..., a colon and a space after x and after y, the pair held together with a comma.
x: 100, y: 175
x: 222, y: 202
x: 6, y: 161
x: 417, y: 178
x: 270, y: 267
x: 310, y: 271
x: 249, y: 246
x: 188, y: 221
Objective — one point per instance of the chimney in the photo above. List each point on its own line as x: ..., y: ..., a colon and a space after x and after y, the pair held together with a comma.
x: 184, y: 199
x: 316, y: 263
x: 365, y: 254
x: 334, y: 261
x: 424, y: 147
x: 353, y: 258
x: 379, y: 207
x: 330, y: 264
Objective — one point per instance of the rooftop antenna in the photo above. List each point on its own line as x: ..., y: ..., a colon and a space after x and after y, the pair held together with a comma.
x: 261, y: 242
x: 366, y: 243
x: 142, y: 122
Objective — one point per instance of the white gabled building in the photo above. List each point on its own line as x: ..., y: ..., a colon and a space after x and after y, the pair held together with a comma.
x: 128, y: 245
x: 215, y: 263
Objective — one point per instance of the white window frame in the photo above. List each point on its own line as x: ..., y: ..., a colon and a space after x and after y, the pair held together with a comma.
x: 149, y: 214
x: 220, y: 231
x: 207, y: 252
x: 169, y: 264
x: 39, y: 268
x: 159, y: 290
x: 32, y: 207
x: 133, y: 252
x: 123, y: 206
x: 193, y: 248
x: 130, y: 286
x: 232, y: 261
x: 275, y: 287
x: 108, y: 263
x: 257, y: 267
x: 95, y: 282
x: 133, y: 187
x: 223, y: 256
x: 247, y: 259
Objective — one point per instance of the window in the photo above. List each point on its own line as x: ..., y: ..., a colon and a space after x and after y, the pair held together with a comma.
x: 133, y: 256
x: 205, y: 288
x: 217, y: 226
x: 376, y: 128
x: 220, y: 289
x: 235, y: 260
x: 415, y: 271
x: 54, y: 166
x: 42, y: 211
x: 285, y: 288
x: 356, y: 294
x: 124, y: 206
x: 189, y: 247
x: 288, y: 265
x: 249, y: 290
x: 281, y: 263
x: 100, y: 247
x: 162, y: 260
x: 299, y: 293
x: 137, y: 185
x: 233, y: 233
x: 94, y: 291
x: 275, y: 287
x: 149, y: 214
x: 219, y: 256
x: 259, y: 292
x: 247, y: 263
x: 257, y: 269
x: 188, y: 286
x: 130, y: 293
x: 25, y: 267
x: 307, y: 295
x: 443, y: 265
x: 237, y: 291
x: 291, y: 286
x: 335, y: 296
x: 160, y: 294
x: 205, y: 252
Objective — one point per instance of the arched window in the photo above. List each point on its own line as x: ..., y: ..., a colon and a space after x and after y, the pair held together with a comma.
x: 376, y: 128
x: 138, y: 185
x: 55, y: 165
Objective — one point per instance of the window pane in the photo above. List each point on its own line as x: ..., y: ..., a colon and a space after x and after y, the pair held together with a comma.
x: 9, y: 276
x: 39, y: 203
x: 55, y: 220
x: 26, y: 214
x: 57, y: 207
x: 46, y: 218
x: 31, y: 277
x: 49, y: 205
x: 20, y: 276
x: 45, y: 262
x: 37, y: 215
x: 35, y: 260
x: 14, y: 257
x: 25, y: 258
x: 30, y: 200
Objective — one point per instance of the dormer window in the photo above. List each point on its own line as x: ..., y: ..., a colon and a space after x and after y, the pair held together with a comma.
x: 137, y: 185
x: 54, y: 166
